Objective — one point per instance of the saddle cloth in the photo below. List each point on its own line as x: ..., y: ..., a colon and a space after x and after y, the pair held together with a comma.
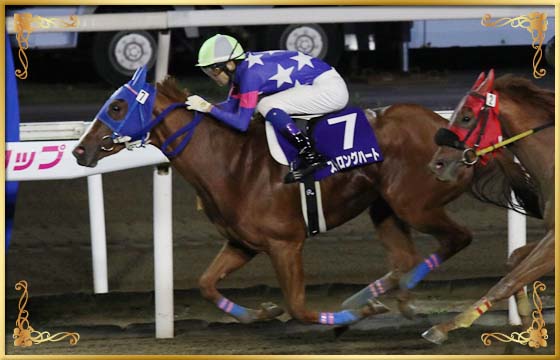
x: 345, y: 138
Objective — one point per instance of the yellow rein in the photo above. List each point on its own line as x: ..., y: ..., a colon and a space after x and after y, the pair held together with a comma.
x: 504, y: 143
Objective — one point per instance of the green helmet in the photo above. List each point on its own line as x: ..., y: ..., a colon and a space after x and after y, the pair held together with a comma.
x: 218, y: 49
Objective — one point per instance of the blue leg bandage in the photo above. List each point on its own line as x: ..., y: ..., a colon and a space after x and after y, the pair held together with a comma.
x: 344, y: 317
x: 412, y: 278
x: 361, y: 298
x: 239, y: 312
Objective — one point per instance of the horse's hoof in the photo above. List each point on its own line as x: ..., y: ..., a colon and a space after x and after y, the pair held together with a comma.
x: 376, y: 307
x: 435, y: 335
x: 270, y: 311
x: 407, y: 310
x: 339, y: 330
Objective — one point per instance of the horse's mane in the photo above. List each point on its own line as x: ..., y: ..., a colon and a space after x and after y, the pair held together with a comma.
x: 170, y: 89
x: 524, y: 91
x: 495, y: 182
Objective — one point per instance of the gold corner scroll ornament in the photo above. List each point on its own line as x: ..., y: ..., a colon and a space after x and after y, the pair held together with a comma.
x: 535, y: 336
x: 25, y: 24
x: 25, y: 335
x: 535, y: 23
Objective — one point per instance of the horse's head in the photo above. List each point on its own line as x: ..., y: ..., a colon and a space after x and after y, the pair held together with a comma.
x: 473, y: 125
x: 120, y: 123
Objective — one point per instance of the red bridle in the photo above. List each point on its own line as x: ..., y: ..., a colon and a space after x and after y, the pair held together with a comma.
x: 487, y: 131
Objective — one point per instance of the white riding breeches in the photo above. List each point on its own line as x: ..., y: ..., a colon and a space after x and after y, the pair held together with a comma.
x: 326, y: 94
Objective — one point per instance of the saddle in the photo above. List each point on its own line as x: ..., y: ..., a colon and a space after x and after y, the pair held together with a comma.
x: 344, y: 137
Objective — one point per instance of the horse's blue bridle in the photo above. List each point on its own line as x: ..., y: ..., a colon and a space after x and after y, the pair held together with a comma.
x: 134, y: 129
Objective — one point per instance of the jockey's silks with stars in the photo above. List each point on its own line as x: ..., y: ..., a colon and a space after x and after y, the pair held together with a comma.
x: 265, y: 73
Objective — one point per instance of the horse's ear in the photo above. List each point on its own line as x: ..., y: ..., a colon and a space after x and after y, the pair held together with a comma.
x: 139, y: 78
x: 478, y: 81
x: 488, y: 84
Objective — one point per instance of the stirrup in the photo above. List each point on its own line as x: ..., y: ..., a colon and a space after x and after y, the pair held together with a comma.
x: 299, y: 174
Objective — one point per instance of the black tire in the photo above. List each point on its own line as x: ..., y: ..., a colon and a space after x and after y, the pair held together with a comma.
x: 322, y: 41
x: 118, y: 54
x: 549, y: 52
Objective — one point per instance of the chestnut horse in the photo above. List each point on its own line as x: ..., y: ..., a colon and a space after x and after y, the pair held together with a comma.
x: 524, y: 115
x: 241, y: 188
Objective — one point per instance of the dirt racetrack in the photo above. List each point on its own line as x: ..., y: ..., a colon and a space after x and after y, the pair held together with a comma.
x: 50, y: 249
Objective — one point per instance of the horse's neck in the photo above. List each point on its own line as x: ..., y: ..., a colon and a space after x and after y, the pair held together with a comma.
x: 208, y: 161
x: 535, y: 152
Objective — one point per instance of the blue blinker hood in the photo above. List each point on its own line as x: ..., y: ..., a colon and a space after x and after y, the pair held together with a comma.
x: 140, y: 97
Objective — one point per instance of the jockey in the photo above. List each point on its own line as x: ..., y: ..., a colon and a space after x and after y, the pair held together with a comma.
x: 288, y: 81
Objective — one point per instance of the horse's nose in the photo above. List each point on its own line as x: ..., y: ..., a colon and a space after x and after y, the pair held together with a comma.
x: 437, y: 166
x: 79, y: 151
x: 80, y: 154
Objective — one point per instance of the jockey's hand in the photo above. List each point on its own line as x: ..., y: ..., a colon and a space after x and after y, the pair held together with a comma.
x: 195, y: 102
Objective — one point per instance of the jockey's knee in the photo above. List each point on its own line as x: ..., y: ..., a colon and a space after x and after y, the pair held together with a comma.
x: 264, y: 106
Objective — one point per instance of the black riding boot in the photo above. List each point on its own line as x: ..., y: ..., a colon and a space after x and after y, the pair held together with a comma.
x: 311, y: 160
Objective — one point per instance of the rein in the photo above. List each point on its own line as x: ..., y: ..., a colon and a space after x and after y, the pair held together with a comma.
x: 187, y: 129
x: 471, y: 155
x: 513, y: 139
x: 139, y: 137
x: 133, y: 130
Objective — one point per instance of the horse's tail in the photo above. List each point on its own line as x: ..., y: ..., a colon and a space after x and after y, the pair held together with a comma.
x: 495, y: 182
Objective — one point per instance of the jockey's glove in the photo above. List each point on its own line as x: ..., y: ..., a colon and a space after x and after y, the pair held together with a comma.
x: 195, y: 102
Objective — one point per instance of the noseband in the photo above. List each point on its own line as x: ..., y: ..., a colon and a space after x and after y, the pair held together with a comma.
x: 471, y: 154
x: 450, y: 136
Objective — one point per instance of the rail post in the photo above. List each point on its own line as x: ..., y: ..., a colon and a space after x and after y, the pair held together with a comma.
x: 163, y: 236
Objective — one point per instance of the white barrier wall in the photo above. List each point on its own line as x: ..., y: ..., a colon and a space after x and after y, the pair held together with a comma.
x: 53, y: 160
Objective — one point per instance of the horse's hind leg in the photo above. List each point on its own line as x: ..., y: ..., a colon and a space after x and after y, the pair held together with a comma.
x: 287, y: 261
x: 401, y: 253
x: 536, y: 264
x: 229, y: 259
x: 523, y: 305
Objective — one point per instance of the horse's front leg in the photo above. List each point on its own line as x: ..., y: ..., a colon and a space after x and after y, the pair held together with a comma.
x: 451, y: 237
x: 537, y: 263
x: 229, y: 259
x: 401, y: 253
x: 286, y: 258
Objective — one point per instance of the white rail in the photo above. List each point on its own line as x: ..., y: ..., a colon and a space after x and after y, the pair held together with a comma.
x: 270, y: 16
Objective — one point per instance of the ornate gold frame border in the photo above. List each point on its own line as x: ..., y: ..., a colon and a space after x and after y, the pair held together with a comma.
x: 535, y: 23
x: 535, y: 336
x: 25, y: 335
x: 555, y: 3
x: 25, y: 24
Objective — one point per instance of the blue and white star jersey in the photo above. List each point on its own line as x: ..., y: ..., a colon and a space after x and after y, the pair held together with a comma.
x: 265, y: 73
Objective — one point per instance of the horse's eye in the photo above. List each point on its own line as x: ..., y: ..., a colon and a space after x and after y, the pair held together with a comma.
x: 115, y: 108
x: 466, y: 118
